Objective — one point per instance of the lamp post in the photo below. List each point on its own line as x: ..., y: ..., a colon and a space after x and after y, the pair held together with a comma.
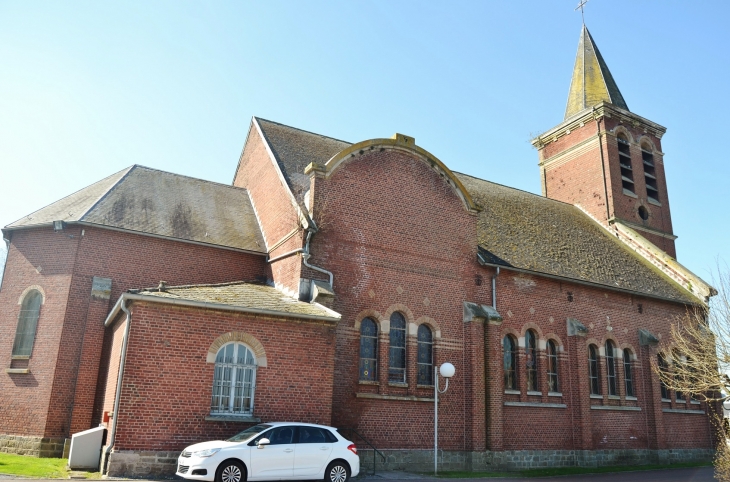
x: 447, y: 371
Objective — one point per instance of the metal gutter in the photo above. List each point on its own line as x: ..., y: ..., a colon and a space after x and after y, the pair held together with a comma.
x: 587, y: 283
x: 216, y: 306
x: 140, y: 233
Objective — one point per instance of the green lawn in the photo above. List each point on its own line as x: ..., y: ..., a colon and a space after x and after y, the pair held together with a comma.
x: 568, y: 471
x: 33, y: 466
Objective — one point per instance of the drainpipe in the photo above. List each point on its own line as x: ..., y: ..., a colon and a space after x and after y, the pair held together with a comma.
x: 494, y: 289
x: 122, y: 360
x: 5, y: 264
x: 306, y: 255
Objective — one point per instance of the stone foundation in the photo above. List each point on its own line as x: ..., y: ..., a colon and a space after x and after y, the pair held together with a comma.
x: 33, y: 446
x: 162, y: 465
x: 422, y: 460
x: 133, y: 464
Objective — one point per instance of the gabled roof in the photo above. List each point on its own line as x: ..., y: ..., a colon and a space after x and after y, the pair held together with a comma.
x: 533, y: 233
x: 143, y: 200
x: 295, y: 149
x: 251, y: 296
x: 592, y: 82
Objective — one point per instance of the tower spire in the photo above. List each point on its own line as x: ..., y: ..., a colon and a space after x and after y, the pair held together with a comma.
x: 592, y: 82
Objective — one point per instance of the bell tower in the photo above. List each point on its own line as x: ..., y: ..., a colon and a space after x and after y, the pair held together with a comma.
x: 604, y: 158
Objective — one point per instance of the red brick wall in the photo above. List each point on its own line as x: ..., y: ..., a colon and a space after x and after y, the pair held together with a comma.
x: 258, y: 173
x: 167, y: 383
x: 397, y: 238
x: 43, y: 258
x: 70, y: 319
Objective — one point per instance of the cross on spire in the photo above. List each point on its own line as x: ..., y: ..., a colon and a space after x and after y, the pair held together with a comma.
x: 580, y: 5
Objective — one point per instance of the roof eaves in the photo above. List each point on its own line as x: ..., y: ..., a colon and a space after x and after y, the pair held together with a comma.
x: 212, y: 306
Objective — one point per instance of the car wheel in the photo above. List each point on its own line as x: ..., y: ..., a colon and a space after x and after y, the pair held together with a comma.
x: 337, y: 471
x: 230, y: 471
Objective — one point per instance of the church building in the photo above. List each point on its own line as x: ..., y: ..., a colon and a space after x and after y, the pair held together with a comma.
x: 329, y: 281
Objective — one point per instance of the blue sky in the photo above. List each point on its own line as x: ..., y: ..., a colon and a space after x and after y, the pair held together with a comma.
x: 89, y: 88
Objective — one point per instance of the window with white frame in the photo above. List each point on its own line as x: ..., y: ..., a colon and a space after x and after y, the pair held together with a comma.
x: 234, y: 381
x: 30, y: 310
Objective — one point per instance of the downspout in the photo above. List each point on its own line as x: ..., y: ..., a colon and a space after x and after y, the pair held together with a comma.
x: 5, y: 264
x: 123, y: 359
x: 306, y: 255
x: 494, y: 289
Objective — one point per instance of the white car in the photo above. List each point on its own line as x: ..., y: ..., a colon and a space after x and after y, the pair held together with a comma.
x: 273, y: 451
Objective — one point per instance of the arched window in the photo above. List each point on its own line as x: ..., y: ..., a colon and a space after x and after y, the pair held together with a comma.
x: 611, y: 367
x: 234, y: 380
x: 425, y: 356
x: 628, y: 374
x: 678, y: 370
x: 552, y: 367
x: 510, y: 363
x: 531, y: 360
x: 652, y: 189
x: 397, y: 355
x: 368, y: 350
x: 624, y: 159
x: 663, y: 368
x: 593, y: 370
x: 30, y: 310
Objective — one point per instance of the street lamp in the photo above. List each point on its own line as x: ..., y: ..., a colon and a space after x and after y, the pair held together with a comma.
x: 447, y: 371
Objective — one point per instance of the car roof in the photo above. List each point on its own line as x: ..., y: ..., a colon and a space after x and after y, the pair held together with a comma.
x: 276, y: 424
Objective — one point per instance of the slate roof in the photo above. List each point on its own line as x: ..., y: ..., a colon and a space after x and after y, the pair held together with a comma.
x: 534, y: 233
x: 592, y: 82
x: 243, y: 295
x: 149, y: 201
x: 295, y: 149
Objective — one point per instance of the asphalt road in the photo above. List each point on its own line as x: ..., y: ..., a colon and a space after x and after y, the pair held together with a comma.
x: 699, y: 474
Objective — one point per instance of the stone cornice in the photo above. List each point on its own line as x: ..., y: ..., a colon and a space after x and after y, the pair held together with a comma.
x: 604, y: 109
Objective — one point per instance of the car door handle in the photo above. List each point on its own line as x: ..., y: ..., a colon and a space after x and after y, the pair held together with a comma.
x: 288, y: 450
x: 323, y: 448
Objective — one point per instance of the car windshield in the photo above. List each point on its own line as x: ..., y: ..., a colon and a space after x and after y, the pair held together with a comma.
x: 249, y: 433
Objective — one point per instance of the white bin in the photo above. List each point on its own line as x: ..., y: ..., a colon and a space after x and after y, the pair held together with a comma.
x: 86, y: 449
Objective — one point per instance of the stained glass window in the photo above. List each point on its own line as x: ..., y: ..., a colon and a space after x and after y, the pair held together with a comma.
x: 531, y: 360
x: 510, y: 363
x: 628, y: 374
x: 593, y: 370
x: 611, y: 367
x: 368, y: 350
x: 425, y: 355
x: 397, y: 358
x: 30, y: 310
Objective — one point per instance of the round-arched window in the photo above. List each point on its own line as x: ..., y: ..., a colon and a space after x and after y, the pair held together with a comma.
x: 234, y: 380
x: 30, y: 311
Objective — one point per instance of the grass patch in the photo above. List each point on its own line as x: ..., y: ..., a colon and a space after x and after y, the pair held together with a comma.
x: 548, y: 472
x: 33, y: 466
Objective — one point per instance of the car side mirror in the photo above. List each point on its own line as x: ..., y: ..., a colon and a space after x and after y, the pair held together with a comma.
x: 263, y: 443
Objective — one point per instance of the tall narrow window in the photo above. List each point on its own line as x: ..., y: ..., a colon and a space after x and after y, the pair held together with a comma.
x: 234, y: 380
x: 368, y: 350
x: 425, y: 355
x: 593, y: 370
x: 397, y: 358
x: 628, y: 374
x: 30, y: 310
x: 663, y: 368
x: 510, y: 363
x: 552, y: 359
x: 531, y: 360
x: 678, y: 372
x: 611, y: 367
x: 624, y: 159
x: 652, y: 189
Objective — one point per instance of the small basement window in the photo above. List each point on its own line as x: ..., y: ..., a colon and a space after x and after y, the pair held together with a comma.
x: 624, y: 161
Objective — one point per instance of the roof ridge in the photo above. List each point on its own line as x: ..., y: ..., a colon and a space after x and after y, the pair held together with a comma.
x: 301, y: 130
x: 190, y: 177
x: 30, y: 215
x: 108, y: 191
x: 514, y: 189
x: 201, y: 285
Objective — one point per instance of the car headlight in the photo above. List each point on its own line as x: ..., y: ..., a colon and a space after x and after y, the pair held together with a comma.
x: 206, y: 452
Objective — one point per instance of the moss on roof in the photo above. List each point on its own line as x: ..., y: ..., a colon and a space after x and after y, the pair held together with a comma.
x: 531, y: 232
